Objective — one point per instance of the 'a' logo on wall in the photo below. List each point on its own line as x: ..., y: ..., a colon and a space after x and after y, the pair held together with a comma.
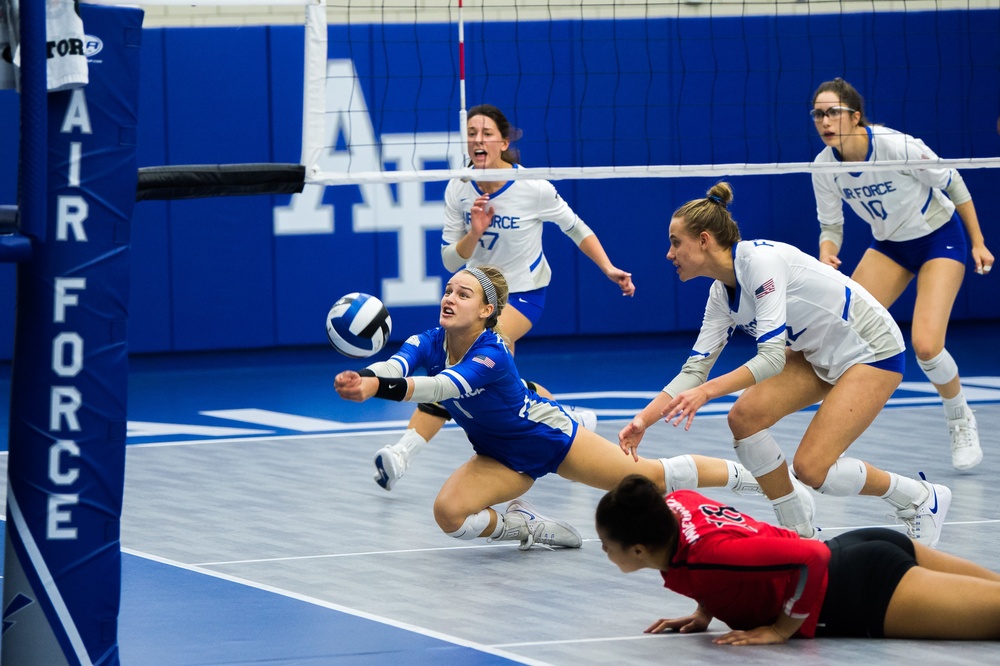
x: 353, y: 146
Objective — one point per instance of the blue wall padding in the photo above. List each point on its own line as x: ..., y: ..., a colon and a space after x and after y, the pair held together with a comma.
x: 212, y: 274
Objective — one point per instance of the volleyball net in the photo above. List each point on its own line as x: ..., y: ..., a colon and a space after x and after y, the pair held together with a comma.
x: 629, y: 89
x: 647, y: 89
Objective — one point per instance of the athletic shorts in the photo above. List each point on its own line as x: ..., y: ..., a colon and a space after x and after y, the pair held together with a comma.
x: 947, y: 241
x: 529, y: 303
x: 895, y: 363
x: 865, y: 567
x: 537, y: 451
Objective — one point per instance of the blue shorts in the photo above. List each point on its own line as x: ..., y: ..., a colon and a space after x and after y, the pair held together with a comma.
x: 895, y: 363
x: 536, y: 451
x: 947, y: 242
x: 529, y: 303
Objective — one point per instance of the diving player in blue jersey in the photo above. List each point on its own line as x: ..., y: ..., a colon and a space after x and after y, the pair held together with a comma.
x: 820, y: 337
x: 914, y: 215
x: 499, y: 224
x: 518, y: 436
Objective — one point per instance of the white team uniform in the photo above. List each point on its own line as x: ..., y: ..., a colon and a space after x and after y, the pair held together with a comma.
x: 513, y: 242
x: 787, y: 294
x: 899, y: 205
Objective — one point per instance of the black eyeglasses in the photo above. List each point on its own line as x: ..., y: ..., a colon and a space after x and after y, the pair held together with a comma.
x: 833, y: 113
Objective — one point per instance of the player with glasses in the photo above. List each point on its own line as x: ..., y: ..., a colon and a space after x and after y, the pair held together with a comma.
x: 833, y: 113
x: 917, y: 218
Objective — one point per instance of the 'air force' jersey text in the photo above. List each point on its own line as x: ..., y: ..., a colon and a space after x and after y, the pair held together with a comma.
x: 513, y: 242
x: 899, y: 205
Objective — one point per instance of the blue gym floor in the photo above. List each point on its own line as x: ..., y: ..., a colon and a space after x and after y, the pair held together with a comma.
x: 195, y: 590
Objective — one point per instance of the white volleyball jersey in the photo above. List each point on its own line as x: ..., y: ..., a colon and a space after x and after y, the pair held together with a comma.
x: 899, y: 205
x: 513, y: 242
x: 785, y: 293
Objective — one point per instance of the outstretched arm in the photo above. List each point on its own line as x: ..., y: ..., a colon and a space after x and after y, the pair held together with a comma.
x: 630, y: 436
x: 982, y: 257
x: 592, y: 247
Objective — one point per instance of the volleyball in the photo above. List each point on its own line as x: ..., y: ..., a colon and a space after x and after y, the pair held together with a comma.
x: 358, y: 325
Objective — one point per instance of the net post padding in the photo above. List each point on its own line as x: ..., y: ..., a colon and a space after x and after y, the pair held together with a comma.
x: 196, y: 181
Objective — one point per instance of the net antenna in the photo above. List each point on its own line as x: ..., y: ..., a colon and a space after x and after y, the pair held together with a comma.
x: 463, y: 114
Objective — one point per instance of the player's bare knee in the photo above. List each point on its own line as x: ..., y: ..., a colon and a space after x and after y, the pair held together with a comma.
x: 445, y: 515
x: 926, y: 348
x: 810, y: 472
x: 744, y: 422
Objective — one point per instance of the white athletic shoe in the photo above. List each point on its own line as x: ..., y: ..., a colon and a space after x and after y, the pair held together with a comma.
x: 965, y: 450
x: 523, y: 523
x: 389, y: 466
x: 924, y: 522
x: 392, y: 461
x: 585, y: 417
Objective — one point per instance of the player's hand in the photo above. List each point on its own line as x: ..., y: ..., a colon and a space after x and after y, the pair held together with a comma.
x: 760, y: 636
x: 352, y: 386
x: 623, y: 280
x: 684, y: 406
x: 983, y: 259
x: 694, y: 623
x: 630, y: 436
x: 481, y: 215
x: 830, y: 260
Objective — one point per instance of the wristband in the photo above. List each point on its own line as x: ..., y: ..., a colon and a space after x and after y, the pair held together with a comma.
x: 366, y: 372
x: 391, y: 389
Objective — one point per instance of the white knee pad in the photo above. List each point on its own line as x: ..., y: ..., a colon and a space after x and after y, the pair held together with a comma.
x: 846, y: 477
x: 473, y: 526
x: 941, y: 369
x: 759, y: 453
x: 680, y: 473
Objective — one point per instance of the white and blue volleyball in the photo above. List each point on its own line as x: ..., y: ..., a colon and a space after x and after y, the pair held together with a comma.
x: 358, y: 325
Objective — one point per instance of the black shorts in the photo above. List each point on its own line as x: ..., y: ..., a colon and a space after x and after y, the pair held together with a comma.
x: 865, y: 568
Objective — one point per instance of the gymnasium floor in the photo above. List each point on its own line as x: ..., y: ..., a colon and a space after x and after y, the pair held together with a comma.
x: 254, y: 534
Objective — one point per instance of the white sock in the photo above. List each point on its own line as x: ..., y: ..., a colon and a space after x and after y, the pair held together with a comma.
x: 904, y: 492
x: 409, y: 444
x: 957, y: 407
x: 792, y: 514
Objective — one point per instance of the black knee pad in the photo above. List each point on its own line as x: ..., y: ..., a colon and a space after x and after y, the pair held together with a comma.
x: 434, y: 409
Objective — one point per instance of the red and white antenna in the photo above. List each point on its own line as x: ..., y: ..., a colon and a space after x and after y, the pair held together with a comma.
x: 462, y: 113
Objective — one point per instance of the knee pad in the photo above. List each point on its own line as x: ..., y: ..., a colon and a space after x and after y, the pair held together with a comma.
x: 680, y: 473
x: 941, y: 369
x: 473, y: 526
x: 847, y: 477
x: 434, y: 409
x: 759, y: 453
x: 530, y: 385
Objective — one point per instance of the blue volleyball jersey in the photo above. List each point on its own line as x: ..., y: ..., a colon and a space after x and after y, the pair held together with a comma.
x: 501, y: 417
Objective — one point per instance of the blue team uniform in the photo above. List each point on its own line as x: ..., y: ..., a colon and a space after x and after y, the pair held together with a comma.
x: 501, y: 417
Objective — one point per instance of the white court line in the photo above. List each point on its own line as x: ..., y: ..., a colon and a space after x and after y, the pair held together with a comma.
x: 341, y: 609
x: 402, y: 551
x: 363, y: 553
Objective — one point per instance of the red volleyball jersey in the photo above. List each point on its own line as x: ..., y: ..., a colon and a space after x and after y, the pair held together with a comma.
x: 742, y: 571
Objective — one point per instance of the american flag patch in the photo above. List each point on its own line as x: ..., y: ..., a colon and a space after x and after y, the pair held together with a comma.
x: 764, y: 289
x: 485, y: 360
